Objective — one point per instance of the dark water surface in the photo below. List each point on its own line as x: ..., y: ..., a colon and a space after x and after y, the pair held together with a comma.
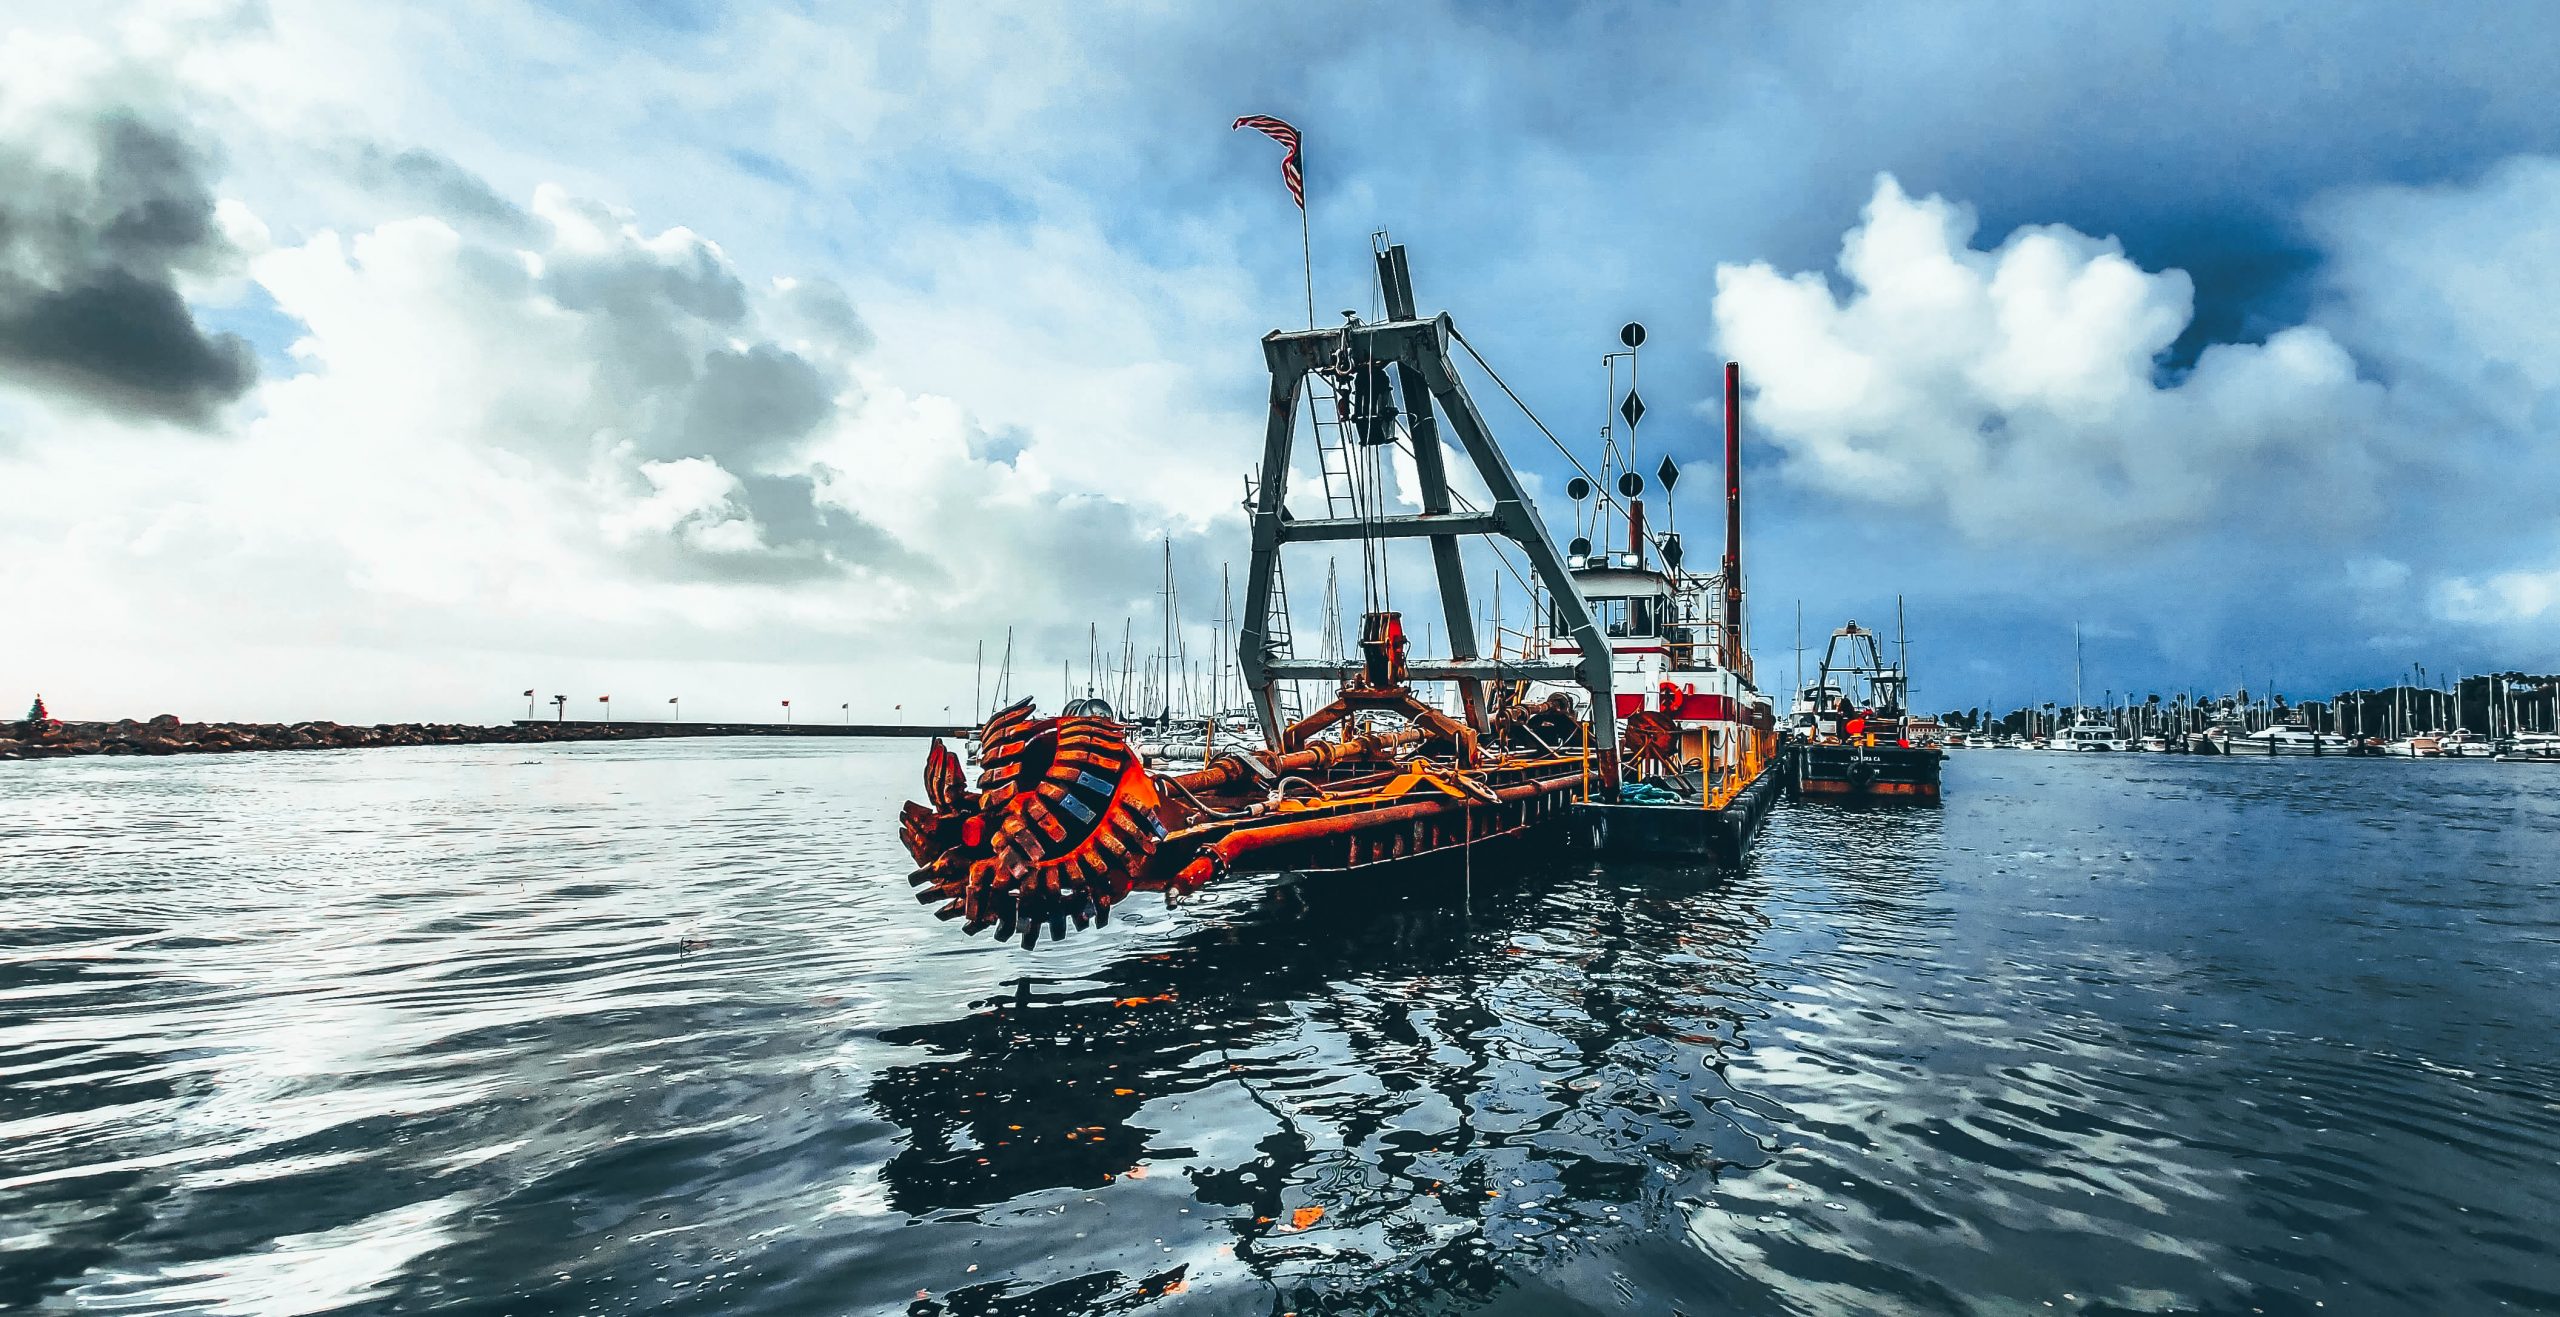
x: 656, y: 1027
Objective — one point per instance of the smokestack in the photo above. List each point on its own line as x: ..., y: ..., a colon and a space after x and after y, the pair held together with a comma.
x: 1733, y: 515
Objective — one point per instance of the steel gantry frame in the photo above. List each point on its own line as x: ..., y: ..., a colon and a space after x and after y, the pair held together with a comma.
x: 1427, y: 381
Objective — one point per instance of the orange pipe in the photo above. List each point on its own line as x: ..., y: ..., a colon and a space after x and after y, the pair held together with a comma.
x: 1263, y: 836
x: 1231, y: 771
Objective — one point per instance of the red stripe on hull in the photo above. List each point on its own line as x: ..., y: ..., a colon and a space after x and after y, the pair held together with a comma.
x: 1695, y: 708
x: 1706, y: 708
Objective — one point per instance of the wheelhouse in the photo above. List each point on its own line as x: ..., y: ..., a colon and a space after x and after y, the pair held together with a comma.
x: 1645, y: 613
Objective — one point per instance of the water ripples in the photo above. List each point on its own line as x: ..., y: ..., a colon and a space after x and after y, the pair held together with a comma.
x: 607, y: 1028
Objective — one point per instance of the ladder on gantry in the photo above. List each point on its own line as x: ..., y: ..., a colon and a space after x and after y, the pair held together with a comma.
x: 1278, y: 637
x: 1333, y: 465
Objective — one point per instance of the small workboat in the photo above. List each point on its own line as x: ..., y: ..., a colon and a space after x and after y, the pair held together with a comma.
x: 1699, y: 744
x: 1849, y: 735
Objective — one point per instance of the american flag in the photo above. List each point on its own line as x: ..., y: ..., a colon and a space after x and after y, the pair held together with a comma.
x: 1279, y: 131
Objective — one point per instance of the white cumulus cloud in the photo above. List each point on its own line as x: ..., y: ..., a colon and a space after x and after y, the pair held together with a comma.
x: 2019, y: 390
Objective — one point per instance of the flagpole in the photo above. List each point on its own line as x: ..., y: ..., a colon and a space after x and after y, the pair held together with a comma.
x: 1306, y: 244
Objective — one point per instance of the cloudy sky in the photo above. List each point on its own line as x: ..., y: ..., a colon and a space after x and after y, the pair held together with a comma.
x: 375, y: 362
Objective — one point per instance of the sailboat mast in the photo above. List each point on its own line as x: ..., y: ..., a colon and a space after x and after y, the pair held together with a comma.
x: 2075, y: 672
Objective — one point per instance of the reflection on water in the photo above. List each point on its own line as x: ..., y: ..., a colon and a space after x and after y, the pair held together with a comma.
x: 607, y: 1028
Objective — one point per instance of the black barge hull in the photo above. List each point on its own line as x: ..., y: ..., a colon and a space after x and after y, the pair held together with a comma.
x: 1679, y: 831
x: 1864, y: 772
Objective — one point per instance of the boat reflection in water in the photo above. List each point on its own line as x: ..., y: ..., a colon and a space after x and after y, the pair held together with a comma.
x: 1385, y: 1099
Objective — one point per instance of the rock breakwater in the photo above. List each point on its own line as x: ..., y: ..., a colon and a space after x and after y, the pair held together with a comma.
x: 167, y: 735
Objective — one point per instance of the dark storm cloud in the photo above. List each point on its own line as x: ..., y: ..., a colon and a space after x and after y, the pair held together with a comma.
x: 2196, y: 134
x: 820, y: 308
x: 690, y: 279
x: 798, y: 537
x: 754, y: 403
x: 680, y: 363
x: 439, y: 187
x: 90, y: 264
x: 797, y: 525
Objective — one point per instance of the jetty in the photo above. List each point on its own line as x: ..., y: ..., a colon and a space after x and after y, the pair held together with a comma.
x: 45, y: 737
x: 637, y: 729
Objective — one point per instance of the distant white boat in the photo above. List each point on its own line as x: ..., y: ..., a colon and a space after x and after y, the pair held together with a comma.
x: 2422, y: 745
x: 2090, y: 734
x: 2287, y: 740
x: 2465, y: 745
x: 2085, y: 732
x: 2532, y: 748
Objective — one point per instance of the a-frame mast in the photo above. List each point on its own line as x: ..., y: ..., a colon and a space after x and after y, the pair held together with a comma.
x: 1426, y: 376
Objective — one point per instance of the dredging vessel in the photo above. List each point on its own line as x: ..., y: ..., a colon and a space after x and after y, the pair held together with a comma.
x: 1067, y: 818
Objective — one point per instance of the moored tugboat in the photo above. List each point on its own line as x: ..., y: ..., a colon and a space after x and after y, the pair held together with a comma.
x: 1849, y: 736
x: 1699, y: 756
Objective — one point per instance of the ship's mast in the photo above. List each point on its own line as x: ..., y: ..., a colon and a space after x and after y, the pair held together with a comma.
x: 1901, y: 658
x: 1734, y: 658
